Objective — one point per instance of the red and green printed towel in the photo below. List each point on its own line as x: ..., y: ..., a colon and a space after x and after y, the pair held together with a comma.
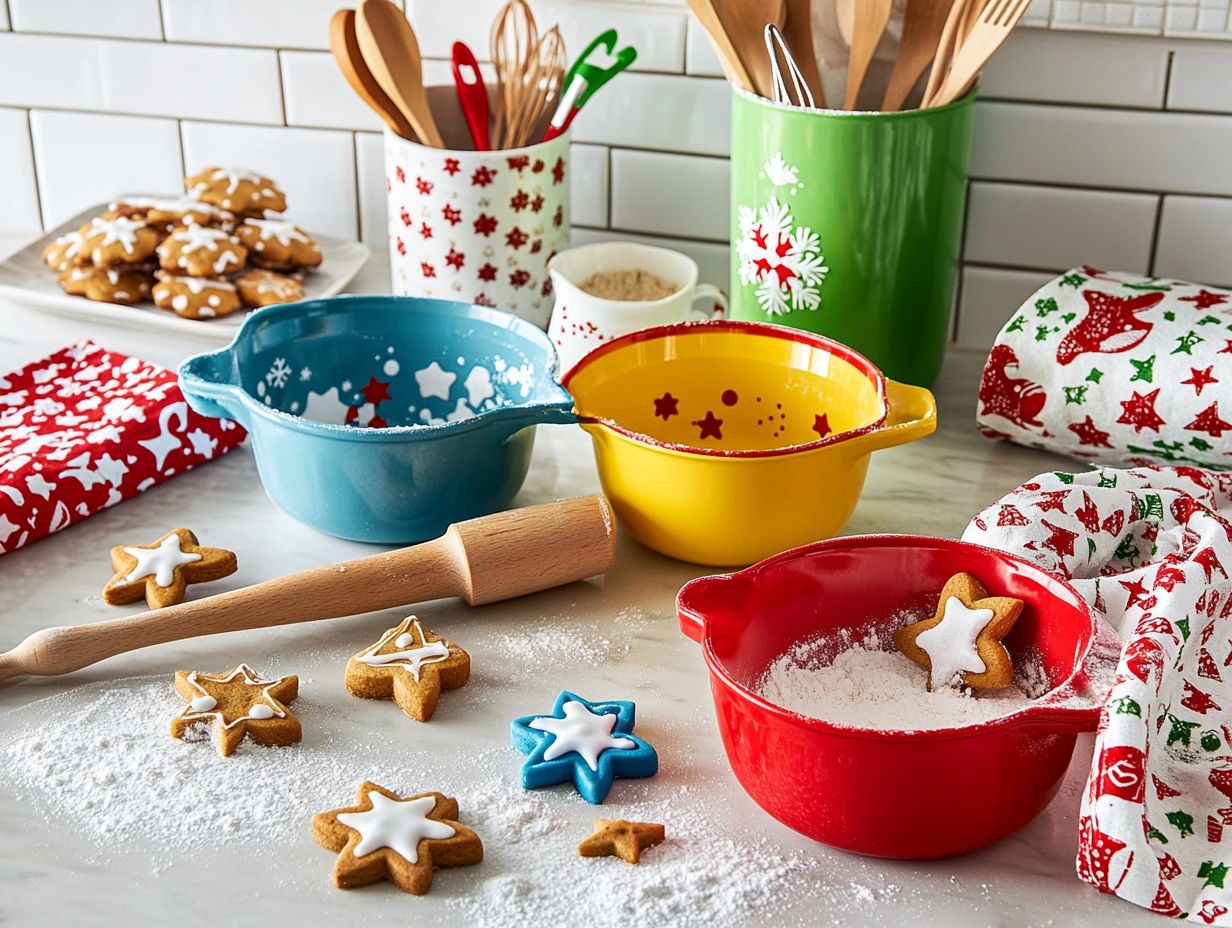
x: 1117, y: 369
x: 1150, y: 549
x: 86, y: 428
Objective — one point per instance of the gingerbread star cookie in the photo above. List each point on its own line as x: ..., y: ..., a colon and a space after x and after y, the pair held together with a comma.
x: 618, y: 838
x: 384, y: 836
x: 961, y: 643
x: 234, y: 704
x: 161, y: 571
x: 410, y: 665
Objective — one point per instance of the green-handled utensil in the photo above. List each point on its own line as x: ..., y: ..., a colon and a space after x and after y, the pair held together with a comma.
x: 584, y: 78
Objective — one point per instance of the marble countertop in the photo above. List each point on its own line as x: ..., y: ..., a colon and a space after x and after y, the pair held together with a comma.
x: 615, y: 637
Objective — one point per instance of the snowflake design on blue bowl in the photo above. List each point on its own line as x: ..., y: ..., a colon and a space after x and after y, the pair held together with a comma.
x: 585, y: 743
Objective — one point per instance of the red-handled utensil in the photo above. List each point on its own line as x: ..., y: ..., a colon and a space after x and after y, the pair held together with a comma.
x: 584, y: 78
x: 472, y: 95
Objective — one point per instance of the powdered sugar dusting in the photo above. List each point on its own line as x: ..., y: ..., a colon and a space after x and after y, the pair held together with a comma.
x: 867, y: 684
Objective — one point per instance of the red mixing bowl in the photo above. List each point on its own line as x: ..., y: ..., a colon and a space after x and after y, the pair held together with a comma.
x: 900, y: 794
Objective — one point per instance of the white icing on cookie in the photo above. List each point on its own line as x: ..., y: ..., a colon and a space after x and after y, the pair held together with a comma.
x: 408, y: 657
x: 280, y: 230
x: 196, y: 237
x: 398, y: 824
x: 950, y: 644
x: 160, y: 562
x: 201, y: 705
x: 121, y: 230
x: 588, y: 733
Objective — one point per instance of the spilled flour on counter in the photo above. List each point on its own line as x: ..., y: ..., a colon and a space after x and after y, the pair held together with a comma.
x: 863, y: 685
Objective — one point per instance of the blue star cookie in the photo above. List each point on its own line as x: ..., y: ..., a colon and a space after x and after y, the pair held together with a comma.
x: 588, y: 743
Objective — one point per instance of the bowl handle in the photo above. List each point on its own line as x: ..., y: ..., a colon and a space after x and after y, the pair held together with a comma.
x: 911, y: 413
x: 710, y: 599
x: 209, y: 384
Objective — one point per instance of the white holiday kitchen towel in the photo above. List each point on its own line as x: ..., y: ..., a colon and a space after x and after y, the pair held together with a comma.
x: 1150, y: 548
x: 1115, y: 368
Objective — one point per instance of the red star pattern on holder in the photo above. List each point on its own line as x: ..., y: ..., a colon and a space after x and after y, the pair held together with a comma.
x: 519, y: 201
x: 1200, y: 378
x: 710, y: 427
x: 487, y: 272
x: 666, y: 406
x: 1139, y: 411
x: 821, y: 425
x: 482, y: 176
x: 427, y: 269
x: 455, y: 259
x: 452, y: 166
x: 423, y: 186
x: 558, y: 171
x: 425, y: 230
x: 1090, y: 434
x: 1204, y: 299
x: 452, y: 214
x: 485, y: 225
x: 515, y: 238
x: 1209, y: 421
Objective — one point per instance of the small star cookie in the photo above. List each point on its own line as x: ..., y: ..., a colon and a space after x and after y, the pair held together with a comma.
x: 961, y: 643
x: 235, y: 704
x: 384, y: 836
x: 619, y: 838
x: 236, y: 190
x: 410, y: 665
x: 161, y: 571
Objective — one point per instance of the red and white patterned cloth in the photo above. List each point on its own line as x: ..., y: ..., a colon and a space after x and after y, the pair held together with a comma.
x: 86, y: 428
x: 1115, y: 368
x: 1150, y: 548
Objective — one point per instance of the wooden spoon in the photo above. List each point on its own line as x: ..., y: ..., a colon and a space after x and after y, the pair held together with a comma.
x: 870, y: 21
x: 483, y: 560
x: 733, y: 67
x: 343, y: 44
x: 745, y: 22
x: 922, y: 25
x: 798, y: 34
x: 845, y: 14
x: 391, y: 51
x: 945, y: 51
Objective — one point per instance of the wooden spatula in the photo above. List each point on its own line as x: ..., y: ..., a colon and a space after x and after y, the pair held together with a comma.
x: 946, y: 46
x: 484, y: 560
x: 745, y: 21
x: 345, y: 46
x: 870, y: 21
x: 733, y: 68
x: 993, y: 26
x: 391, y: 51
x: 922, y: 25
x: 798, y: 34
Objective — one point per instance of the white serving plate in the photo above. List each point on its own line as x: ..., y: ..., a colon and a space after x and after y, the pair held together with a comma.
x: 25, y: 279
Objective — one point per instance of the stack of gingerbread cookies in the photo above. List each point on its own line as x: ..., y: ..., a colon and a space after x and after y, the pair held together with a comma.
x: 220, y: 247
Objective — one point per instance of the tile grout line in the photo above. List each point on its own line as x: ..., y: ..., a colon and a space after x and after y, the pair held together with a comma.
x: 1157, y: 226
x: 38, y: 187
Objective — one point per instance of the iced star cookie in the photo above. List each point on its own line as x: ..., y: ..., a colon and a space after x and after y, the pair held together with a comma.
x: 259, y: 288
x: 236, y: 190
x: 618, y: 838
x: 384, y: 836
x: 121, y: 240
x: 168, y: 212
x: 126, y: 285
x: 278, y: 245
x: 961, y: 643
x: 64, y: 252
x: 195, y: 297
x: 201, y: 251
x: 410, y: 665
x: 161, y: 571
x: 586, y: 743
x: 231, y: 705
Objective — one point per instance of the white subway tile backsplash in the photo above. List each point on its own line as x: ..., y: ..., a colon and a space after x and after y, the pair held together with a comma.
x: 270, y: 23
x: 679, y: 195
x: 89, y: 158
x: 38, y: 70
x: 1103, y: 148
x: 1057, y: 227
x: 317, y: 95
x: 315, y: 167
x: 129, y: 19
x: 191, y: 81
x: 1195, y: 240
x: 588, y: 185
x: 1077, y: 67
x: 668, y: 112
x: 988, y: 299
x: 1201, y: 79
x: 370, y: 175
x: 699, y: 57
x: 658, y: 33
x: 19, y: 210
x: 4, y: 15
x: 713, y: 261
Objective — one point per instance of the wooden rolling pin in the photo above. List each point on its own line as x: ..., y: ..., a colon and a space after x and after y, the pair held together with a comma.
x: 483, y: 561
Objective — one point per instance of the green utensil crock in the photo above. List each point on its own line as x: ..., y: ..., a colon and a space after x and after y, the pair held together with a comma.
x: 849, y: 225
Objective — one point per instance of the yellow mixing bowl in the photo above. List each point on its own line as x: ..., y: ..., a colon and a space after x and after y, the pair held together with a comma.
x: 724, y: 442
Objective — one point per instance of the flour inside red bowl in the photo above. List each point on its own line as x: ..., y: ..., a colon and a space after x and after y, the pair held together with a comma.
x: 864, y: 683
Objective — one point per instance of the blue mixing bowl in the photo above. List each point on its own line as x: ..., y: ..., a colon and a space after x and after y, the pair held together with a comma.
x: 380, y: 418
